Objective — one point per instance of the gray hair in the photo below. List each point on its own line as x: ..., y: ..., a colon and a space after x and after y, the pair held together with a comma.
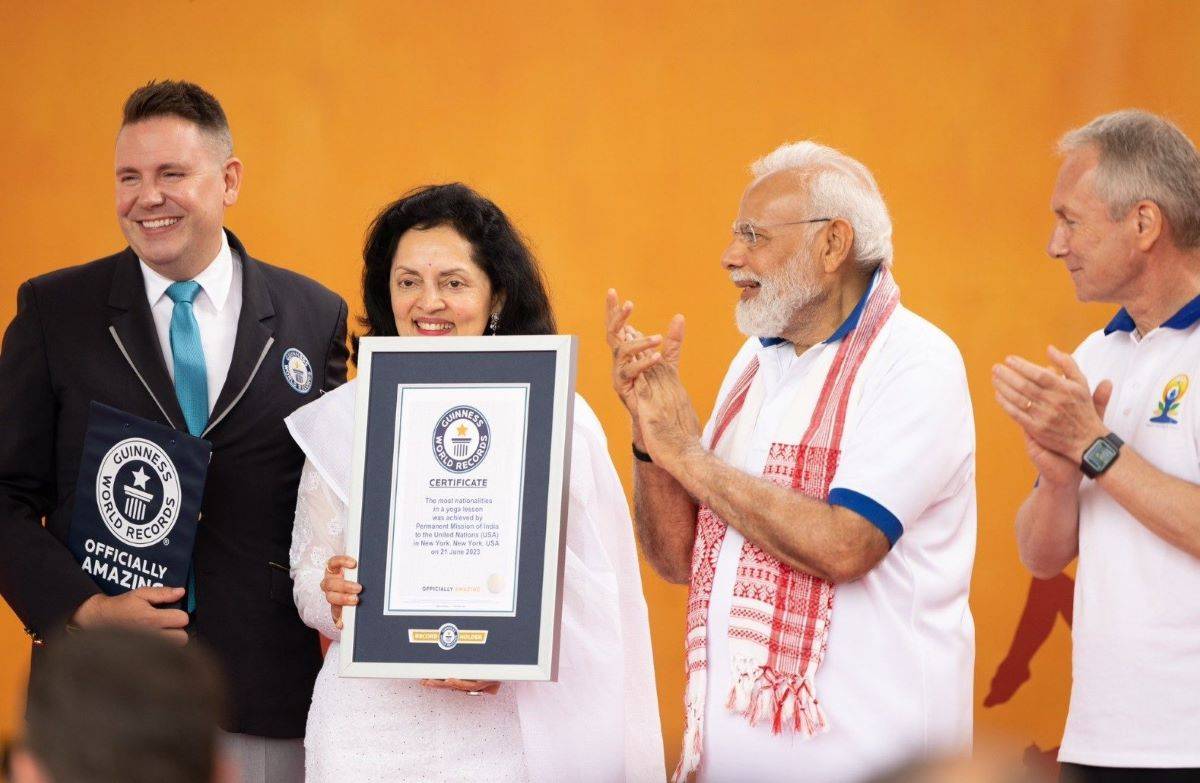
x: 841, y: 188
x: 1144, y: 157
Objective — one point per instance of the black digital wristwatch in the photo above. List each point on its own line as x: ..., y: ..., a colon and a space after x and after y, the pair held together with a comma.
x: 1100, y: 456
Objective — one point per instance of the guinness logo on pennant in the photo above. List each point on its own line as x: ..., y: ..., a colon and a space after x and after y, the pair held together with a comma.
x: 137, y: 492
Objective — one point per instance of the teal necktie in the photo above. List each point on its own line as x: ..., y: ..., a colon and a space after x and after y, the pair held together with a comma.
x: 191, y: 375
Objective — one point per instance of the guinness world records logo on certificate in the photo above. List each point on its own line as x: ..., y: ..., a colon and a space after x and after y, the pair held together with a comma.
x: 461, y: 439
x: 457, y: 507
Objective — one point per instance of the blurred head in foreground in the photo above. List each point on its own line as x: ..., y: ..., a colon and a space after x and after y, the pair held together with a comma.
x: 988, y: 765
x: 121, y: 705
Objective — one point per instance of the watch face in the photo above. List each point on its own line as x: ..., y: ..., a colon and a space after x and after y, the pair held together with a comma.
x: 1099, y: 455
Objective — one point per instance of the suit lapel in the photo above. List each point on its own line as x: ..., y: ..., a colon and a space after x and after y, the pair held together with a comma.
x: 132, y: 328
x: 255, y: 335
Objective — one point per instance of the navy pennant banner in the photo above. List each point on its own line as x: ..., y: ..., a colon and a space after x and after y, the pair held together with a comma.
x: 137, y: 501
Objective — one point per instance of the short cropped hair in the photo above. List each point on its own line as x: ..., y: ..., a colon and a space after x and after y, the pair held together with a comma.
x: 841, y: 188
x: 496, y: 248
x: 181, y: 99
x: 120, y: 704
x: 1144, y: 157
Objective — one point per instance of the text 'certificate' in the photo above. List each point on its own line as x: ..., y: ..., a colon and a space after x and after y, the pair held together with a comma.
x: 455, y: 528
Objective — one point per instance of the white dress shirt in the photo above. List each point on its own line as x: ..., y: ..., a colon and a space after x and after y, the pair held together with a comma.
x: 217, y: 307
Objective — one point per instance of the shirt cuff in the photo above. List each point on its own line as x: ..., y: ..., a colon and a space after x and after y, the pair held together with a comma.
x: 887, y: 522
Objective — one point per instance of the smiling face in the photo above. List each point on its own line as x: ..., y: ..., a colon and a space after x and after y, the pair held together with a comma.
x: 173, y: 184
x: 1100, y: 253
x: 437, y: 288
x: 778, y: 276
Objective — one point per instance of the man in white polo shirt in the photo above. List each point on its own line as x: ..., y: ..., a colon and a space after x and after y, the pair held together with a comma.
x: 825, y: 517
x: 1116, y: 441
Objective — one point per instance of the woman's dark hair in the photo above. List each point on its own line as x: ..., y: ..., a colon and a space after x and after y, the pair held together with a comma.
x: 496, y: 248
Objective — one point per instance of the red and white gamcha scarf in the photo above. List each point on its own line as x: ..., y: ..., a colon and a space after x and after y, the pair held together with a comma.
x: 779, y: 618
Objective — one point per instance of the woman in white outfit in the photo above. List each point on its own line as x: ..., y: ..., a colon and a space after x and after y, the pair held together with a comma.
x: 444, y: 261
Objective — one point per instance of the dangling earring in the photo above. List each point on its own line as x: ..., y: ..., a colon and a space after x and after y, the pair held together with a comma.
x: 494, y: 323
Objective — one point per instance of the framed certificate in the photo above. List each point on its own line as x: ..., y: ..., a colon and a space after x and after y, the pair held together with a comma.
x: 458, y: 506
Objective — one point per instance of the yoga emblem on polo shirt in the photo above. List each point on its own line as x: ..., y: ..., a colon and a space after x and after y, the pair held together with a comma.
x: 1172, y: 394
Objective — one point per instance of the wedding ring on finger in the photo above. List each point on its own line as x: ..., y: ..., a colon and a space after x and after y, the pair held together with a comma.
x: 1028, y: 405
x: 474, y: 693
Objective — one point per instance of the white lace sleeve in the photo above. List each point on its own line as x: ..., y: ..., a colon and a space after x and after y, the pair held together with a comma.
x: 317, y: 535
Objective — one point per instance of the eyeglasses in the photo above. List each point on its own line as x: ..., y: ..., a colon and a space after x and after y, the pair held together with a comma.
x: 749, y: 233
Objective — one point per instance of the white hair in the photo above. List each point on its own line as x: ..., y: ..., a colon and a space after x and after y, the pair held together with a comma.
x: 841, y: 187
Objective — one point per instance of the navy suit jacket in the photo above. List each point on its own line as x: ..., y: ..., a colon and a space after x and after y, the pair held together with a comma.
x: 86, y: 333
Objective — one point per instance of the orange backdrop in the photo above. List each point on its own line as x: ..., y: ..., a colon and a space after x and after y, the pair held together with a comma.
x: 617, y: 135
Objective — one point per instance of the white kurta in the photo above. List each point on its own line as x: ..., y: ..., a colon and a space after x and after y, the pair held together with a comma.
x: 897, y: 675
x: 599, y: 722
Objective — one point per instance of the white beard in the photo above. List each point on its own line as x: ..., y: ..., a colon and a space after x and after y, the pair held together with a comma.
x: 781, y: 298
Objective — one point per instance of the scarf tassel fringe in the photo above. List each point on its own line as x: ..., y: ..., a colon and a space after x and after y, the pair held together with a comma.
x: 693, y: 742
x: 787, y: 701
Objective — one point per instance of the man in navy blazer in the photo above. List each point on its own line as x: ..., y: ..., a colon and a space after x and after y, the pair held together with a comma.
x: 182, y: 327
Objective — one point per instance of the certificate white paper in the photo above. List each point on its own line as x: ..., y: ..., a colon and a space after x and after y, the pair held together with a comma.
x: 458, y: 476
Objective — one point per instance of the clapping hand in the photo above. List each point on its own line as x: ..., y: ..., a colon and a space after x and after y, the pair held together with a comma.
x: 646, y: 378
x: 1058, y: 414
x: 632, y: 352
x: 668, y: 422
x: 634, y: 355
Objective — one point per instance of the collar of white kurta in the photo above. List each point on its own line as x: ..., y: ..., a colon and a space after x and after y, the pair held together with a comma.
x: 779, y: 618
x: 324, y: 431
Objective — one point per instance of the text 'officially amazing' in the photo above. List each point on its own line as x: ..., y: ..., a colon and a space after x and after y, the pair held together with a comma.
x: 126, y: 569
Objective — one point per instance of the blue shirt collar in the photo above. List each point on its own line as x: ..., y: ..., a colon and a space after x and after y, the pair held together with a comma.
x: 855, y: 314
x: 1187, y: 315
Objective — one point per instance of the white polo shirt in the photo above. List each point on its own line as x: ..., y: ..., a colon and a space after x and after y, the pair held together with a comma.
x: 1135, y: 696
x: 897, y: 677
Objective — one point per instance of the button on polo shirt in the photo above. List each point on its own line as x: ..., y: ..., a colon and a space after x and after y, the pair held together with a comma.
x: 1135, y: 697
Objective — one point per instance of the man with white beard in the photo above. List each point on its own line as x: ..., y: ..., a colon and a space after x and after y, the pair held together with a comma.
x: 825, y: 516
